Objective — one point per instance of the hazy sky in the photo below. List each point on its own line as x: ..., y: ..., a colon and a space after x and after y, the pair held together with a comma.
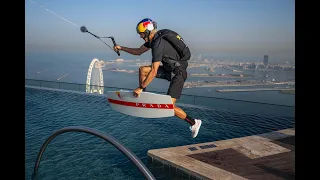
x: 237, y: 27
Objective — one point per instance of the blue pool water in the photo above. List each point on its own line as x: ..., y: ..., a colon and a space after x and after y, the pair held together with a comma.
x: 76, y: 155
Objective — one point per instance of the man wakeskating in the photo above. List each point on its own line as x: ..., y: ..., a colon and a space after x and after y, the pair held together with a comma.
x: 169, y: 48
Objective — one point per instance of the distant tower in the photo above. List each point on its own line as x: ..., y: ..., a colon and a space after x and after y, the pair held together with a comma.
x: 199, y: 57
x: 265, y: 60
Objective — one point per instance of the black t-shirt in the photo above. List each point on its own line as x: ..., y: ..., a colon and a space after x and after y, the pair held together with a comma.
x: 162, y: 50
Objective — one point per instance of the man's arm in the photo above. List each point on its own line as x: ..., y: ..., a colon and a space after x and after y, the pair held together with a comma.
x: 152, y: 74
x: 134, y: 51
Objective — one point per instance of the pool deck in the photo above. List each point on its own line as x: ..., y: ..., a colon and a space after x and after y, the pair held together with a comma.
x: 264, y: 156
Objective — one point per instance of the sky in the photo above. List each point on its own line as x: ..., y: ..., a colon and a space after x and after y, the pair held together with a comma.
x: 225, y: 27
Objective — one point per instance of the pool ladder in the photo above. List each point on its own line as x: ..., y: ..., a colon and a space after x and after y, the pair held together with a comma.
x: 127, y: 152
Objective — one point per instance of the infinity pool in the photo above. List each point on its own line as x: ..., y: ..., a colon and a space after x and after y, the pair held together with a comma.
x: 76, y: 155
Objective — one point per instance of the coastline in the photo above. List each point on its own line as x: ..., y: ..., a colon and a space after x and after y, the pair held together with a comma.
x: 283, y: 90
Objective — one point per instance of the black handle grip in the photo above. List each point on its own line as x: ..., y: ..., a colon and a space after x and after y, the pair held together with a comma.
x: 114, y: 43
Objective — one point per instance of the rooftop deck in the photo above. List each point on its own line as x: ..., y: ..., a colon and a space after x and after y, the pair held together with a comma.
x: 265, y: 156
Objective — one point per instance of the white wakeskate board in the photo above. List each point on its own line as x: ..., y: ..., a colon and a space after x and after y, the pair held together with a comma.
x: 147, y: 105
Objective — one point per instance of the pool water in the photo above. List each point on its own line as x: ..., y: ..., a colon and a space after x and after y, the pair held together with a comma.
x: 76, y: 155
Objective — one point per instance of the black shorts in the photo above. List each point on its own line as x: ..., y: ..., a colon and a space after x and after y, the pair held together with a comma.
x: 176, y: 82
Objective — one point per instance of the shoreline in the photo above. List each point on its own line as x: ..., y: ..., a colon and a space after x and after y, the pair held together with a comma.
x: 190, y: 85
x: 257, y: 89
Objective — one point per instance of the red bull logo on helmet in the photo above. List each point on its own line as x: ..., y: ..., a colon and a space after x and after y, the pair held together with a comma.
x: 145, y: 24
x: 148, y: 25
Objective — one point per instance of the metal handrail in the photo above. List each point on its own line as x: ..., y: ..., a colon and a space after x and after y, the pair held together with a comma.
x: 127, y: 152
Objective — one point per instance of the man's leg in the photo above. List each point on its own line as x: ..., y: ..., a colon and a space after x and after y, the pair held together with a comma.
x: 178, y: 111
x: 143, y: 73
x: 195, y: 124
x: 145, y: 70
x: 181, y: 113
x: 175, y: 90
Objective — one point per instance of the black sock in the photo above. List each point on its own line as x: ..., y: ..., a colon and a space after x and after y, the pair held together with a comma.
x: 190, y: 120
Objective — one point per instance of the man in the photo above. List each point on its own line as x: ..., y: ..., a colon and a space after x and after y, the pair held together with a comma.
x: 173, y: 68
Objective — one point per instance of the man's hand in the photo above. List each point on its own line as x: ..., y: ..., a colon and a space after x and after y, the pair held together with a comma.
x: 136, y: 92
x: 117, y: 47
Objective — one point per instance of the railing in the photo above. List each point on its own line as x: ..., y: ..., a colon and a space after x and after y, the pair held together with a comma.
x: 211, y: 102
x: 124, y: 150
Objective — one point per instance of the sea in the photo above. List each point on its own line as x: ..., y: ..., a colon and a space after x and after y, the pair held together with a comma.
x: 51, y: 66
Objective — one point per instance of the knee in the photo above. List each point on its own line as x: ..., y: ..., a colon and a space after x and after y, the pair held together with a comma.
x: 144, y: 69
x: 174, y: 101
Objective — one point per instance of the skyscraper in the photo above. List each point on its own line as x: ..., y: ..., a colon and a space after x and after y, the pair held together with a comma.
x: 265, y: 60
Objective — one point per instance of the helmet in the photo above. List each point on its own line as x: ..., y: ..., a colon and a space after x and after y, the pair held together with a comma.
x: 146, y: 26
